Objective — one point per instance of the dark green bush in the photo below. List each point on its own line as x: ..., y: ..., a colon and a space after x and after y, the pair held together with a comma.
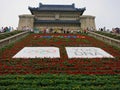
x: 60, y: 82
x: 108, y: 34
x: 5, y: 35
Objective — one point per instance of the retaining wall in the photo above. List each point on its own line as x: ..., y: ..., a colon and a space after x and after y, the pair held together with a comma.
x: 106, y: 39
x: 13, y: 38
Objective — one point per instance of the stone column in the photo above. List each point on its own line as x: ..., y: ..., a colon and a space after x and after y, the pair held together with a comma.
x: 87, y: 22
x: 26, y: 21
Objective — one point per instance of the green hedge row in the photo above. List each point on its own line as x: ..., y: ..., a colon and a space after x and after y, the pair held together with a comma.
x: 5, y: 35
x: 108, y: 34
x: 60, y: 82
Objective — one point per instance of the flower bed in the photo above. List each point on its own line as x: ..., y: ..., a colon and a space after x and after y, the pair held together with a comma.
x: 8, y: 65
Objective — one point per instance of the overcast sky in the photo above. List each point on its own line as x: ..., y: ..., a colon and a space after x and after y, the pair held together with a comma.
x: 107, y: 12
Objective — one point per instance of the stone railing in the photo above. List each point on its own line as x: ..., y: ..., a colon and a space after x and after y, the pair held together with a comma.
x: 13, y: 38
x: 106, y: 39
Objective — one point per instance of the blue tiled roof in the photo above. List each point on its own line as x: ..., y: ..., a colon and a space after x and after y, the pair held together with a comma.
x: 56, y: 7
x: 58, y: 21
x: 45, y: 7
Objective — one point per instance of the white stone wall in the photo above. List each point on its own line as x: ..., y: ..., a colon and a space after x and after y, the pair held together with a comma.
x: 57, y: 16
x: 87, y: 22
x: 26, y: 22
x: 58, y: 26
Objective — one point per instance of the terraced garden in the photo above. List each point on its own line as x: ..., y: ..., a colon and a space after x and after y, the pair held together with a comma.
x: 64, y: 73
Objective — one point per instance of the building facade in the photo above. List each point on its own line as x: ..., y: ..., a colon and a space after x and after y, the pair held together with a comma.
x: 56, y: 18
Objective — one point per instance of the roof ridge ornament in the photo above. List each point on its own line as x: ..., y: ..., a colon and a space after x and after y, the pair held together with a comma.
x: 73, y: 4
x: 40, y: 4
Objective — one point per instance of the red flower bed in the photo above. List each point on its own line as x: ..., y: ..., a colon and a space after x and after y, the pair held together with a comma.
x: 8, y: 65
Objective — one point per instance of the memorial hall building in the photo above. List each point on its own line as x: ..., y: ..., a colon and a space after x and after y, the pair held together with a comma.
x: 56, y: 18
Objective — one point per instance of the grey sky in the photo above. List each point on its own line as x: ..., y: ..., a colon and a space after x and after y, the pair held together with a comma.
x: 106, y: 11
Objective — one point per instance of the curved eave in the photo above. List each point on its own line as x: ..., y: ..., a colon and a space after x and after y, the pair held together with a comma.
x: 57, y: 21
x: 39, y: 10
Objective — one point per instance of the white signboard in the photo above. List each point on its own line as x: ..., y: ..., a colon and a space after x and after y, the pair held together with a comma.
x: 38, y: 52
x: 87, y: 52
